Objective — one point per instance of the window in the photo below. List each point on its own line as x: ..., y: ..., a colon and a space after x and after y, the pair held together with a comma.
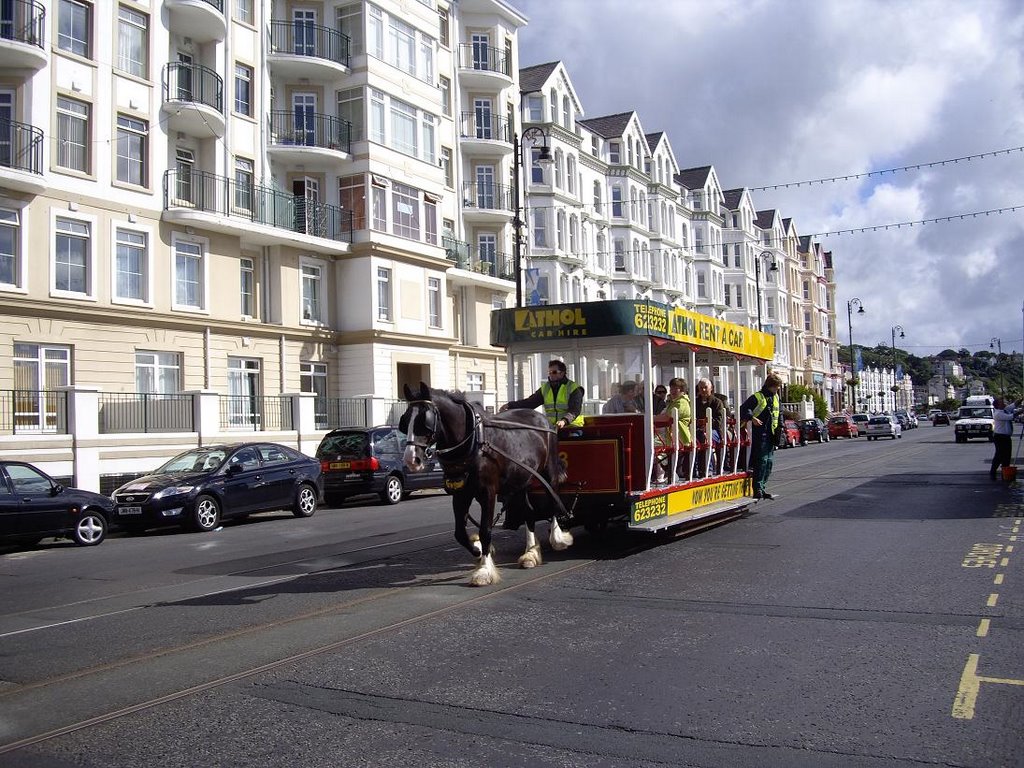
x: 38, y: 371
x: 487, y: 249
x: 430, y: 219
x: 403, y: 127
x: 570, y: 174
x: 474, y: 381
x: 375, y: 32
x: 350, y: 22
x: 536, y: 169
x: 444, y: 27
x: 445, y: 85
x: 620, y: 254
x: 434, y: 302
x: 617, y: 201
x: 383, y: 293
x: 243, y: 90
x: 132, y: 151
x: 535, y: 108
x: 132, y: 42
x: 449, y: 169
x: 807, y: 321
x: 597, y: 198
x: 350, y: 108
x: 244, y: 171
x: 131, y: 265
x: 559, y: 169
x: 188, y: 274
x: 74, y: 27
x: 702, y: 286
x: 244, y: 11
x: 540, y: 228
x: 313, y: 378
x: 405, y: 211
x: 311, y: 294
x: 71, y: 256
x: 72, y: 134
x: 157, y: 372
x: 247, y: 287
x: 408, y: 130
x: 403, y: 47
x: 244, y: 380
x: 352, y: 196
x: 560, y: 230
x: 402, y: 41
x: 10, y: 248
x: 613, y: 152
x: 566, y: 113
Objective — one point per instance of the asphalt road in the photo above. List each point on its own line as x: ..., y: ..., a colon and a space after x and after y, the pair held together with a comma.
x: 872, y: 615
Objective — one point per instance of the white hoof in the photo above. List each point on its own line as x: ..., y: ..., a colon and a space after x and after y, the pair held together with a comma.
x: 485, y: 574
x: 558, y: 538
x: 531, y: 558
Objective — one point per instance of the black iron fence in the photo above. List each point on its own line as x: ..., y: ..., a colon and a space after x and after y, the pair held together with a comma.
x: 290, y: 128
x: 21, y: 146
x: 483, y: 260
x: 300, y: 38
x: 193, y: 83
x: 145, y: 412
x: 200, y: 190
x: 485, y: 125
x: 23, y: 21
x: 487, y: 195
x: 257, y: 413
x: 484, y: 57
x: 24, y: 411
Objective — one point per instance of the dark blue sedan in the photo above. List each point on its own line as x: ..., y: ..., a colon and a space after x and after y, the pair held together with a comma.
x: 199, y: 488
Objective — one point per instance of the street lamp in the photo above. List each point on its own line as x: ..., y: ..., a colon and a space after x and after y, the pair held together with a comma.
x: 772, y: 267
x: 532, y: 134
x: 996, y: 342
x: 854, y: 302
x: 902, y: 336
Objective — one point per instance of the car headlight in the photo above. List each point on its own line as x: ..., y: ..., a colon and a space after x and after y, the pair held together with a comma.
x: 174, y: 490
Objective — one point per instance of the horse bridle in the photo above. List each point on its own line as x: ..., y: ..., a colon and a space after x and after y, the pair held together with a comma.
x: 423, y: 442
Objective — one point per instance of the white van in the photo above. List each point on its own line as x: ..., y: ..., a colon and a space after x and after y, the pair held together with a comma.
x: 977, y: 419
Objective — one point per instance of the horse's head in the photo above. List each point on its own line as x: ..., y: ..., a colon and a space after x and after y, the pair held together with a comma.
x: 419, y: 424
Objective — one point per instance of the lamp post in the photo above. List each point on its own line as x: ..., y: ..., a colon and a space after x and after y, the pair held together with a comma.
x: 532, y: 134
x: 996, y: 342
x: 902, y: 336
x: 772, y: 267
x: 854, y: 302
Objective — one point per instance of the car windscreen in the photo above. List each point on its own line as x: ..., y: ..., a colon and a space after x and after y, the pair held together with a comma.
x: 201, y: 460
x: 837, y: 420
x: 879, y: 420
x: 976, y: 413
x: 351, y: 445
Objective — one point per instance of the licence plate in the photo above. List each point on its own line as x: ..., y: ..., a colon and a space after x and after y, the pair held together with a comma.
x: 341, y: 465
x: 129, y: 510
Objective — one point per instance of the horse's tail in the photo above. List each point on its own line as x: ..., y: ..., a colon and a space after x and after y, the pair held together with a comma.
x: 557, y: 470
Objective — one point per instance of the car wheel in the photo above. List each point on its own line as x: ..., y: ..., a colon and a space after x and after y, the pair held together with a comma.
x: 305, y: 501
x: 392, y: 493
x: 90, y: 530
x: 206, y: 515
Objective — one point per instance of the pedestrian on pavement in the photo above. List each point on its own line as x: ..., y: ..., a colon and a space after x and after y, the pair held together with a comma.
x: 1002, y: 433
x: 561, y: 397
x: 763, y: 410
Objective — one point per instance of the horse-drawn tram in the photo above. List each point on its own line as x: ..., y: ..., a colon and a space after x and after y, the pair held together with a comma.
x: 651, y: 468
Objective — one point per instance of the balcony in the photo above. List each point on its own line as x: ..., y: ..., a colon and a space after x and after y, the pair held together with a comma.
x: 202, y: 20
x: 258, y: 215
x: 487, y: 202
x: 193, y: 100
x: 477, y: 263
x: 484, y: 66
x: 485, y: 134
x: 301, y: 50
x: 22, y: 35
x: 21, y: 157
x: 301, y: 138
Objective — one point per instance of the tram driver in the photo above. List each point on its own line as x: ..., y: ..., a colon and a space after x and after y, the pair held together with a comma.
x: 561, y: 397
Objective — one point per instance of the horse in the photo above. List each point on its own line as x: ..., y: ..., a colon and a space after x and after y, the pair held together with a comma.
x: 483, y: 457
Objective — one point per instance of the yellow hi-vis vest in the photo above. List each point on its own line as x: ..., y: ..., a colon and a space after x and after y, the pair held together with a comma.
x: 556, y: 406
x: 762, y: 403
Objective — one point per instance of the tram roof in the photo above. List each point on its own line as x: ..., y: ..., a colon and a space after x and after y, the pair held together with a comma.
x: 557, y: 323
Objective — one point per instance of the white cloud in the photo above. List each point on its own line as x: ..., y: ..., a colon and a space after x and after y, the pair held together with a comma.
x: 777, y: 91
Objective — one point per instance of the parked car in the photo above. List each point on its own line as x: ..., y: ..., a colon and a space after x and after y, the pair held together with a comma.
x: 842, y: 426
x: 861, y: 420
x: 368, y: 460
x: 883, y: 426
x: 940, y: 418
x: 793, y: 436
x: 34, y: 506
x: 199, y: 488
x: 814, y: 429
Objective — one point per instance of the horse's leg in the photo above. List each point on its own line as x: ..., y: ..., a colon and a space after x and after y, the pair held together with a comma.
x: 558, y: 538
x: 460, y: 507
x: 531, y: 557
x: 485, y: 573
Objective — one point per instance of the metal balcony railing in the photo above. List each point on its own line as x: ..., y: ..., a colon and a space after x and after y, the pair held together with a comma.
x: 21, y: 146
x: 487, y: 196
x: 255, y: 412
x: 225, y: 196
x: 23, y: 21
x: 474, y: 259
x: 483, y: 57
x: 145, y: 412
x: 305, y: 39
x: 31, y: 410
x: 310, y: 130
x: 193, y: 83
x: 475, y: 125
x: 218, y: 4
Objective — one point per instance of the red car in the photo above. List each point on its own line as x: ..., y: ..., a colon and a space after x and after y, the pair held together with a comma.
x: 842, y: 426
x: 793, y: 435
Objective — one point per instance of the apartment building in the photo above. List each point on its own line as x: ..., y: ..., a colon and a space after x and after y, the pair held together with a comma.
x: 816, y: 315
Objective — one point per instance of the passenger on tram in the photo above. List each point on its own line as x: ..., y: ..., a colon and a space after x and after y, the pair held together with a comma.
x: 708, y: 400
x: 561, y: 397
x: 626, y: 400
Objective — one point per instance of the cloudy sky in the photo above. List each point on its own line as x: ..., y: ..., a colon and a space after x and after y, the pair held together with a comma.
x: 777, y: 91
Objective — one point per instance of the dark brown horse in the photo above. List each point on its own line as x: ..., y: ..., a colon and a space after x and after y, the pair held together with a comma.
x: 484, y: 457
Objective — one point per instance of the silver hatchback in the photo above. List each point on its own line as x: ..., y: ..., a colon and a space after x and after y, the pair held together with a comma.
x: 883, y: 426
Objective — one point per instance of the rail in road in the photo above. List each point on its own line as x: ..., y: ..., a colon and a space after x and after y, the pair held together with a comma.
x: 237, y: 616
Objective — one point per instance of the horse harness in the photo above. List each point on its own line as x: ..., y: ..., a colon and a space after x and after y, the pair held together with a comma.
x: 457, y: 469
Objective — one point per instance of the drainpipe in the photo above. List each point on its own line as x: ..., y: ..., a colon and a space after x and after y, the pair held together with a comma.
x: 206, y: 357
x: 281, y: 366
